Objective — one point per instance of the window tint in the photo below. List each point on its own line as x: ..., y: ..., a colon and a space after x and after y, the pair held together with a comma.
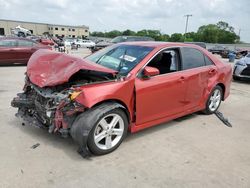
x: 208, y: 61
x: 7, y: 43
x: 192, y: 58
x: 166, y: 61
x: 24, y: 43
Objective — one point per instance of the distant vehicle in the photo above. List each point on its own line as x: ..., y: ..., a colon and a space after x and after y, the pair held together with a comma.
x: 21, y: 32
x: 238, y: 52
x: 84, y: 43
x: 68, y: 42
x: 218, y: 49
x: 201, y: 44
x: 15, y: 50
x: 46, y: 41
x: 120, y: 39
x: 242, y: 68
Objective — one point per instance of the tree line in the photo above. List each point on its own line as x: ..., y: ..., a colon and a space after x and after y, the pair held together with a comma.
x: 221, y: 32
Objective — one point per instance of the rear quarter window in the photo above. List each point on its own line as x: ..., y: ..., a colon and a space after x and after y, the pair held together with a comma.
x: 208, y: 61
x: 191, y: 58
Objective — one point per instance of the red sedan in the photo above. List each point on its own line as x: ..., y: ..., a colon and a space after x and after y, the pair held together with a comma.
x: 14, y: 50
x: 125, y: 87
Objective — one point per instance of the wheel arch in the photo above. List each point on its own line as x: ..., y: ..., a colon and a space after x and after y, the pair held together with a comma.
x: 123, y: 106
x: 223, y: 89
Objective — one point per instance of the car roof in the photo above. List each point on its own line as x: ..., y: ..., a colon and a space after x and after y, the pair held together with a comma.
x: 156, y: 44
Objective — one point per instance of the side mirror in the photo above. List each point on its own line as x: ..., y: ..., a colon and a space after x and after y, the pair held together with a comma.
x: 150, y: 71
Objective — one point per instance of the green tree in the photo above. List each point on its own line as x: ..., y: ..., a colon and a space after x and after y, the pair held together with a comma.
x: 221, y: 32
x: 112, y: 34
x: 176, y: 37
x: 128, y: 33
x: 97, y: 34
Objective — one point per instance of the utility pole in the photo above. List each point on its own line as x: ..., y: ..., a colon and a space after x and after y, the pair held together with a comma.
x: 187, y: 15
x: 239, y: 33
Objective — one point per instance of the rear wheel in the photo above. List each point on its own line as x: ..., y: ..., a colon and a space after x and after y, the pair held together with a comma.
x: 214, y: 100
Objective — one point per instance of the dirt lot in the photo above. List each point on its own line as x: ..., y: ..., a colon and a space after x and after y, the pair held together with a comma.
x: 196, y: 151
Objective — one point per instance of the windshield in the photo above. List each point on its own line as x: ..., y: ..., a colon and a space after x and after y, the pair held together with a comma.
x: 122, y: 58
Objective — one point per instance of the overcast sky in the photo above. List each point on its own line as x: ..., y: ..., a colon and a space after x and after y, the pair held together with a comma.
x: 105, y: 15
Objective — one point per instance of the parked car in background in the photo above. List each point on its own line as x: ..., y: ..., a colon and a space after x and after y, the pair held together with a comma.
x: 201, y: 44
x: 46, y: 41
x: 16, y: 50
x: 119, y: 39
x: 238, y: 52
x: 124, y: 87
x: 21, y: 32
x: 242, y: 68
x: 68, y: 41
x: 218, y: 49
x: 84, y: 43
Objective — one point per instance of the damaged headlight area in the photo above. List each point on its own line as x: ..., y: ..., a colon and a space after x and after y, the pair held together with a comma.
x: 48, y: 108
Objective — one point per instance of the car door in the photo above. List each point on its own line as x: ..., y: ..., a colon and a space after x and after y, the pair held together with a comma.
x: 25, y: 49
x: 8, y: 51
x: 162, y: 95
x: 197, y: 74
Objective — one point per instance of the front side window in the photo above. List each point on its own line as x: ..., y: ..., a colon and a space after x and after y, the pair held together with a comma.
x: 122, y: 58
x: 7, y: 43
x: 166, y: 61
x: 191, y: 58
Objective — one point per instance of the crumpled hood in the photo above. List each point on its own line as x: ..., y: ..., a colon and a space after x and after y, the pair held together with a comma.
x: 48, y: 68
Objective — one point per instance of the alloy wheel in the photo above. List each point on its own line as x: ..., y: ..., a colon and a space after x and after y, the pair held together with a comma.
x: 109, y: 131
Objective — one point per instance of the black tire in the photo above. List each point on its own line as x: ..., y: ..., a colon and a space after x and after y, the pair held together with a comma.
x: 91, y: 143
x: 236, y: 78
x: 83, y: 127
x: 208, y: 109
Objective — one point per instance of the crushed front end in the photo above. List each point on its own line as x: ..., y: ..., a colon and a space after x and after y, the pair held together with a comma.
x: 53, y: 108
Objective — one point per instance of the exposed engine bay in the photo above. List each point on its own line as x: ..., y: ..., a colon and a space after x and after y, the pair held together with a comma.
x: 54, y: 107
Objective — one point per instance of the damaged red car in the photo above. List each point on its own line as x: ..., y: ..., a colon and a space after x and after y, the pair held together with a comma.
x: 125, y: 87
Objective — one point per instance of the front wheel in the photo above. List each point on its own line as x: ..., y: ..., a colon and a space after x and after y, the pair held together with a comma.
x: 214, y: 100
x: 108, y: 132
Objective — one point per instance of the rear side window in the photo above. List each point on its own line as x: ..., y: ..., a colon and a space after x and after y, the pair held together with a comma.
x: 7, y: 43
x: 208, y: 61
x: 192, y: 58
x: 24, y: 43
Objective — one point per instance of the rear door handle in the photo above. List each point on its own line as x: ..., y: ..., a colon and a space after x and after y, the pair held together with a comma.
x: 181, y: 79
x: 212, y: 71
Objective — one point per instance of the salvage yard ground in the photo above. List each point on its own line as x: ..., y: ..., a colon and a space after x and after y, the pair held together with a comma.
x: 195, y: 151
